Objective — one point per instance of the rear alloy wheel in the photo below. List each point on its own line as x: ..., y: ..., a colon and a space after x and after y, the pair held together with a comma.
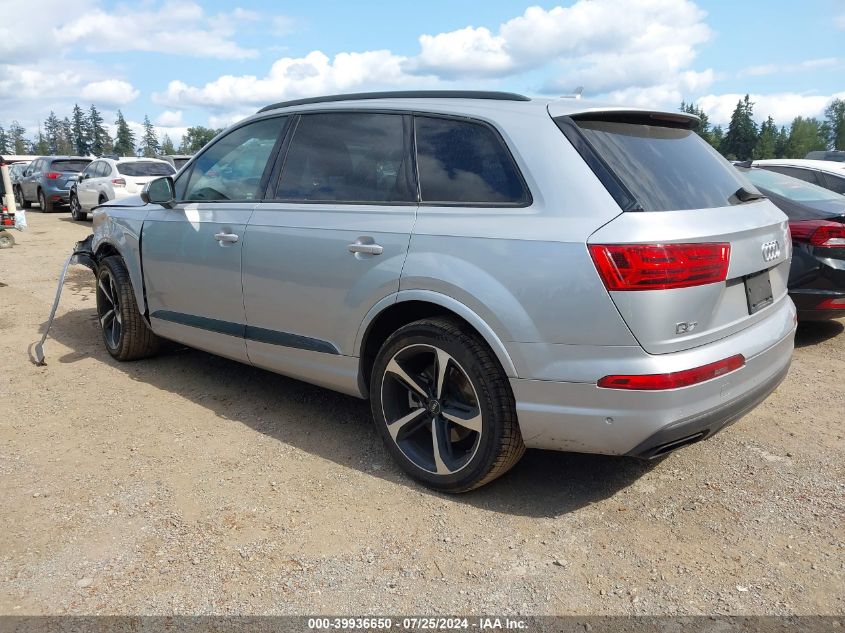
x: 125, y: 333
x: 444, y: 407
x: 76, y: 211
x: 46, y: 206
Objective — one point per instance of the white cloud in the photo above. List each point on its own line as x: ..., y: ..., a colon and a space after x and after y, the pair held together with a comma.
x: 782, y: 107
x: 177, y: 27
x: 110, y: 92
x: 772, y: 69
x: 292, y: 77
x: 282, y: 25
x: 169, y: 118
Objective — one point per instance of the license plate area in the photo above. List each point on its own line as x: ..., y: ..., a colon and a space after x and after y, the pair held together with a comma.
x: 758, y: 291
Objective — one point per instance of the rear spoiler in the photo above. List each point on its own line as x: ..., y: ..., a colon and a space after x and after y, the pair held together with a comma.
x: 623, y: 114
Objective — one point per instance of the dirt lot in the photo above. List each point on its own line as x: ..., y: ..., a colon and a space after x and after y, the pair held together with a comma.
x: 192, y: 484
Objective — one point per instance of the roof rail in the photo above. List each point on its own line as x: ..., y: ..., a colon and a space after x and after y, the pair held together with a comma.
x: 403, y: 94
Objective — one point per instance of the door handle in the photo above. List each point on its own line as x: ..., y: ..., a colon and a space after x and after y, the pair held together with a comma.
x: 226, y: 238
x: 365, y: 249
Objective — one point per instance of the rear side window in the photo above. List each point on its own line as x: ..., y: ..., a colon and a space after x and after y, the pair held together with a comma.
x: 69, y: 165
x: 232, y: 168
x: 348, y: 157
x: 835, y: 183
x: 145, y: 168
x: 460, y: 162
x: 663, y: 168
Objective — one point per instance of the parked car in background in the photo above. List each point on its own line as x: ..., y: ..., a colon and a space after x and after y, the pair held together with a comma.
x: 177, y: 160
x: 834, y: 155
x: 824, y: 173
x: 112, y: 179
x: 817, y: 222
x: 16, y: 171
x: 47, y: 181
x: 493, y: 272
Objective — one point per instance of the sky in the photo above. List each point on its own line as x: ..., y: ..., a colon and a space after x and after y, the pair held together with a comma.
x: 192, y: 62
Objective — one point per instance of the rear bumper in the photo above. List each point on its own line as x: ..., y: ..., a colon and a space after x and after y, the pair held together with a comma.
x: 581, y: 417
x: 55, y: 194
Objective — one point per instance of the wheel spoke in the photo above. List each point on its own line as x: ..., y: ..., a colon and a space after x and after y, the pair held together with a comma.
x: 441, y: 369
x: 468, y: 419
x: 439, y: 443
x: 107, y: 318
x: 410, y: 383
x: 107, y: 292
x: 407, y: 424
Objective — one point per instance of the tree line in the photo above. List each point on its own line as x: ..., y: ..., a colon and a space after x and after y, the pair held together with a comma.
x: 745, y: 140
x: 84, y: 133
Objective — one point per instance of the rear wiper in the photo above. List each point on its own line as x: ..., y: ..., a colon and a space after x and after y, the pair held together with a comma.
x: 744, y: 195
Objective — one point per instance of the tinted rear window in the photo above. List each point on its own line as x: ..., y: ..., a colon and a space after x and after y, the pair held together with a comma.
x: 664, y: 168
x: 466, y: 163
x: 145, y: 168
x: 69, y: 165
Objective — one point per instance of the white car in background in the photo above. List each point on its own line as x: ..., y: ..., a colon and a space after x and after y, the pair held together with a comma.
x: 829, y: 174
x: 111, y: 179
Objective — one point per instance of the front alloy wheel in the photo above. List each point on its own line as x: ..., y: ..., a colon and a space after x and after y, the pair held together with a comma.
x: 444, y: 406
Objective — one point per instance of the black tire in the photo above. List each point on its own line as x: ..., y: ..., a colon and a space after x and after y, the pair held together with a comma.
x: 46, y: 205
x: 76, y: 211
x: 26, y: 204
x: 102, y: 200
x: 125, y: 333
x: 474, y: 384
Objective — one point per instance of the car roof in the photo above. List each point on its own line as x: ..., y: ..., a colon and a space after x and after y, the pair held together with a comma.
x: 822, y: 165
x: 469, y: 102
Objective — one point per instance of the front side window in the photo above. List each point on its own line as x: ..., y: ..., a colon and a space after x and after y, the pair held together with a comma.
x: 465, y: 163
x: 103, y: 169
x: 348, y: 157
x: 91, y: 169
x: 232, y: 168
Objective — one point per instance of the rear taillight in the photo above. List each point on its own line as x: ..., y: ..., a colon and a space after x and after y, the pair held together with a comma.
x: 660, y: 266
x: 832, y: 304
x: 821, y: 233
x: 675, y: 379
x: 118, y: 182
x: 52, y: 175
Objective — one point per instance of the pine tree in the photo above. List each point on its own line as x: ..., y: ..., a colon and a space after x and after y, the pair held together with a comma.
x: 805, y: 135
x: 702, y: 128
x: 766, y: 142
x: 150, y: 146
x: 81, y: 132
x: 781, y: 141
x: 167, y: 147
x: 40, y: 146
x: 835, y: 115
x: 17, y: 139
x: 98, y: 139
x: 717, y: 137
x: 741, y: 136
x: 196, y: 138
x: 124, y: 140
x: 52, y: 130
x: 65, y: 145
x: 4, y: 141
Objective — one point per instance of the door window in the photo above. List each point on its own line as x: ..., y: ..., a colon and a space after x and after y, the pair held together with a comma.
x: 460, y: 162
x: 91, y: 169
x: 353, y: 157
x: 103, y: 169
x: 233, y: 167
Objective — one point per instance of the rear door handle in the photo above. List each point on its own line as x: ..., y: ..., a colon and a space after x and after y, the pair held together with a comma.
x: 226, y: 238
x: 365, y: 249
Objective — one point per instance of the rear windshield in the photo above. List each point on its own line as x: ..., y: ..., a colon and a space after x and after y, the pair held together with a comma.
x: 664, y: 168
x: 180, y: 162
x: 145, y: 168
x: 69, y: 165
x: 789, y: 187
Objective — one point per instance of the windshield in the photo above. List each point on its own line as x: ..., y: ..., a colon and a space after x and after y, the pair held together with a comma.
x: 145, y: 168
x: 789, y: 187
x: 69, y: 165
x: 664, y: 168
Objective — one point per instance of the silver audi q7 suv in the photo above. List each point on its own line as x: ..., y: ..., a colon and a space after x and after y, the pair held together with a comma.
x: 493, y: 272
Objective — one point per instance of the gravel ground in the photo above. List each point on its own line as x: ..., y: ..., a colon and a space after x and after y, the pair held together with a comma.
x: 192, y: 484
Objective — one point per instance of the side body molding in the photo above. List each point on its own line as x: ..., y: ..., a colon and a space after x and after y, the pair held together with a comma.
x: 449, y: 303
